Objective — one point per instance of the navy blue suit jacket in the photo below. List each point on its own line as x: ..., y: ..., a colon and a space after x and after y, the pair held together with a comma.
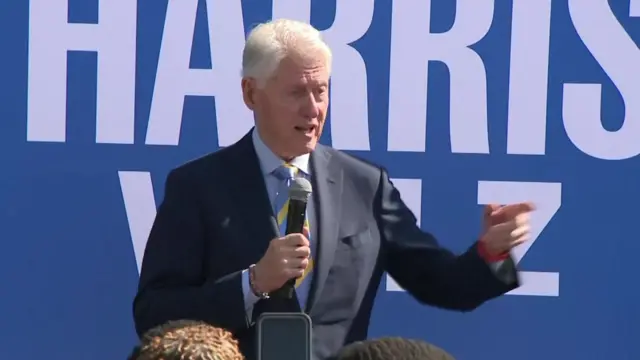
x: 216, y: 220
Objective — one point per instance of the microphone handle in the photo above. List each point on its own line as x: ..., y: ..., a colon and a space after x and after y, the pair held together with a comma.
x: 296, y: 214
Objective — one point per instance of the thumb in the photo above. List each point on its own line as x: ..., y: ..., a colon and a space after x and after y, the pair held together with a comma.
x: 489, y: 210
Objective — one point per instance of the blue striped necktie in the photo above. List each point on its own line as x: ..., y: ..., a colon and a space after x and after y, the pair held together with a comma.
x: 285, y: 174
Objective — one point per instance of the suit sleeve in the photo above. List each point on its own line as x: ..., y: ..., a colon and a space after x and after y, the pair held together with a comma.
x: 429, y: 272
x: 173, y: 284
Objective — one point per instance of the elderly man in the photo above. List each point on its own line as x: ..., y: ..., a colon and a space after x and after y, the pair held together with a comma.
x: 218, y: 249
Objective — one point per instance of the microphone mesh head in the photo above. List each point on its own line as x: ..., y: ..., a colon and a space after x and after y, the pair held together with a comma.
x: 300, y: 189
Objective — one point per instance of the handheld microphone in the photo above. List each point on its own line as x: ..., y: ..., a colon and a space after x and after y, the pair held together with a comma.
x: 299, y: 192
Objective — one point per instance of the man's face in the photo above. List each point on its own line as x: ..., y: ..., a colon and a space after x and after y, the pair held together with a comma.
x: 292, y: 106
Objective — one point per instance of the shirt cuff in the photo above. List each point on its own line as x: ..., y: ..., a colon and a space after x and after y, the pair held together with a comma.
x: 250, y: 298
x: 496, y: 262
x: 496, y: 266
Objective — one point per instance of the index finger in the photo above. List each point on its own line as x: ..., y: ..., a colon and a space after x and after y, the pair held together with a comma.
x: 305, y: 232
x: 511, y: 211
x: 296, y: 240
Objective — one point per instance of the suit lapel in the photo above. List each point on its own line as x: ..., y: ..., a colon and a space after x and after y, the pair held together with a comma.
x: 327, y: 185
x: 249, y: 192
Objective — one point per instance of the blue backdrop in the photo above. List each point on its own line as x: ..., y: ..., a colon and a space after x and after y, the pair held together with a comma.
x: 523, y: 99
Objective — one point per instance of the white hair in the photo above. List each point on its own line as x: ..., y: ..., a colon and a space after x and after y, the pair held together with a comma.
x: 270, y: 42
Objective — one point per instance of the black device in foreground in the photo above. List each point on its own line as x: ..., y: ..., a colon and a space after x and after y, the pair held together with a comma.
x: 284, y: 336
x: 299, y: 192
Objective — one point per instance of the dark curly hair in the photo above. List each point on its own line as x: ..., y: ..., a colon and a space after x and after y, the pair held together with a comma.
x: 392, y: 348
x: 187, y: 340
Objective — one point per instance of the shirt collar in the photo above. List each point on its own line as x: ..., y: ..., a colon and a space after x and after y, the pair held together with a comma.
x: 270, y: 161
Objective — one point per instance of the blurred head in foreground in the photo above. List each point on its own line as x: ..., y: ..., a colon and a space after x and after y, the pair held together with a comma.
x: 393, y: 348
x: 187, y: 340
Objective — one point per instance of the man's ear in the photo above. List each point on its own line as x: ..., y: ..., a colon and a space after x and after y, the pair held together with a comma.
x: 249, y: 92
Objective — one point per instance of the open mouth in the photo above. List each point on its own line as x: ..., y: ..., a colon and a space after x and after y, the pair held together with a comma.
x: 306, y: 130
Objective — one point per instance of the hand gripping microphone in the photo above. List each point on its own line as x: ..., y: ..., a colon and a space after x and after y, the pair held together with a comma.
x: 299, y: 192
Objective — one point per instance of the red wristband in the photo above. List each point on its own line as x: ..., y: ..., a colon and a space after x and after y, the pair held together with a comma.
x: 482, y: 251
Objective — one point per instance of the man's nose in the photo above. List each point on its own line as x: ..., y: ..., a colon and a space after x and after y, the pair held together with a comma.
x: 311, y: 107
